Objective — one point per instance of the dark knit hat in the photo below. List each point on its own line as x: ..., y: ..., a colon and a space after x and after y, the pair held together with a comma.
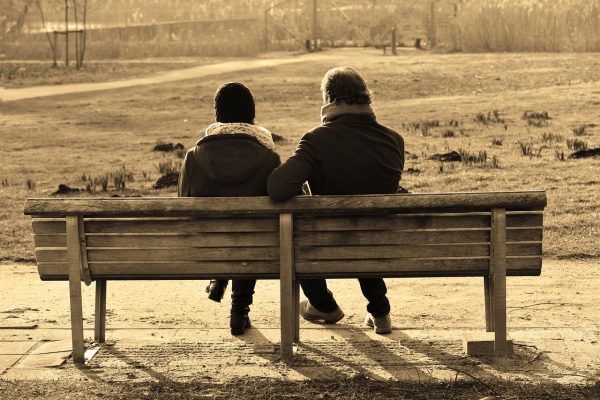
x: 345, y: 84
x: 234, y: 103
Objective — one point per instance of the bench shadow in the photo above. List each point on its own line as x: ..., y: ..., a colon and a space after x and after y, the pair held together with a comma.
x: 302, y: 364
x: 482, y: 368
x: 93, y: 373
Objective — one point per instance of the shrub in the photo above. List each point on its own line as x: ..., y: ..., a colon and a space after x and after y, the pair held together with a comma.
x: 528, y: 150
x: 559, y: 154
x: 168, y: 166
x: 120, y: 177
x: 497, y: 142
x: 537, y: 119
x: 471, y: 158
x: 576, y: 144
x: 552, y: 137
x: 448, y: 133
x: 492, y: 117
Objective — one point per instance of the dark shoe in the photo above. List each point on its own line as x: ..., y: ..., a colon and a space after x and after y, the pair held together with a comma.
x: 381, y: 325
x: 216, y: 289
x: 310, y: 313
x: 239, y: 322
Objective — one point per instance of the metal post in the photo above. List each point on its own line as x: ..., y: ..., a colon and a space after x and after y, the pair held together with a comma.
x: 433, y: 28
x: 266, y: 33
x: 55, y: 50
x: 67, y: 33
x: 315, y: 25
x: 394, y: 52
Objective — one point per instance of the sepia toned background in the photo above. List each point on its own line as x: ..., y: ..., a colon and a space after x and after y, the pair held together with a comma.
x: 489, y: 95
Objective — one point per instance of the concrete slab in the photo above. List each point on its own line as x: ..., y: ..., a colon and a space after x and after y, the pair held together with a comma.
x: 12, y: 351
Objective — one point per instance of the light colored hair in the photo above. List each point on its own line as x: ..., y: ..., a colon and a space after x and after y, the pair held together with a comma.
x: 345, y: 84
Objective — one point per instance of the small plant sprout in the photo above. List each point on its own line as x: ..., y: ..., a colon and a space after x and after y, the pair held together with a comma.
x: 580, y: 130
x: 495, y: 163
x: 30, y: 183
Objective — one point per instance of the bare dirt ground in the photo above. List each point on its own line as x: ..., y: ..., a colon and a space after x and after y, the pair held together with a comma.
x: 165, y: 332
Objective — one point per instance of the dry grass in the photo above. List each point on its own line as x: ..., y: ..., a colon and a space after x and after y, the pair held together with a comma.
x: 356, y: 388
x: 73, y: 135
x: 529, y: 25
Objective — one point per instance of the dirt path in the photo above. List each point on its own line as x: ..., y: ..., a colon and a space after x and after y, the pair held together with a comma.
x: 169, y: 331
x: 164, y: 77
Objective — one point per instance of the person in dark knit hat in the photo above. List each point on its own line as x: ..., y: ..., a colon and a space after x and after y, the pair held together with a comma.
x: 233, y: 158
x: 349, y: 153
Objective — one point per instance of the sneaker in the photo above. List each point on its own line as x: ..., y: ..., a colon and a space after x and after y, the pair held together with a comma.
x: 382, y: 325
x: 239, y: 322
x: 310, y: 313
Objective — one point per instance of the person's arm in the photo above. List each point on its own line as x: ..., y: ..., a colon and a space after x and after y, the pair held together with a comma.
x: 183, y: 186
x: 286, y: 181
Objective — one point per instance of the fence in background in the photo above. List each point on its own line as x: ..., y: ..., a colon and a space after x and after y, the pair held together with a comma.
x: 233, y: 37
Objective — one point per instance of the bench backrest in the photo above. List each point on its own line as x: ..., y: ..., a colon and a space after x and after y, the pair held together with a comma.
x: 345, y: 236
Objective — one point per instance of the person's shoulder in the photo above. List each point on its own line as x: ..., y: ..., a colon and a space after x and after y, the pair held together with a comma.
x: 393, y: 133
x: 317, y: 131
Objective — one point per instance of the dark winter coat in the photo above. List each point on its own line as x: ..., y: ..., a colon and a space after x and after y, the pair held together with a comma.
x: 348, y: 154
x: 227, y: 165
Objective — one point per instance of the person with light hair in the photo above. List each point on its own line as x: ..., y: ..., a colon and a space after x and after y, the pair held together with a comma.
x: 349, y: 153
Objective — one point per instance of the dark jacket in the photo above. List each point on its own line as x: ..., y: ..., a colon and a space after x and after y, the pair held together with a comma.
x: 350, y: 154
x: 227, y: 165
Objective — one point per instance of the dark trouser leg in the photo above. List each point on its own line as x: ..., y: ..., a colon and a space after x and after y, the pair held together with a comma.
x: 318, y: 295
x: 374, y: 290
x: 241, y: 293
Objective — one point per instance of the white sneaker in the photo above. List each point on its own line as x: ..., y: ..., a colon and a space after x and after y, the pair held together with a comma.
x: 382, y: 325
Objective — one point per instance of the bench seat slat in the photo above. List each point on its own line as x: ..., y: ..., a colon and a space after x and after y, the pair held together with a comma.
x: 410, y: 251
x: 183, y: 226
x: 415, y: 267
x: 244, y: 239
x: 417, y: 221
x: 184, y: 254
x: 250, y: 239
x: 164, y: 270
x: 390, y: 237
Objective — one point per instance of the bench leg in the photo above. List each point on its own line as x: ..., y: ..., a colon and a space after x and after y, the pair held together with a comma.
x: 498, y: 284
x: 100, y: 319
x: 287, y: 282
x: 296, y: 301
x: 74, y: 259
x: 488, y: 294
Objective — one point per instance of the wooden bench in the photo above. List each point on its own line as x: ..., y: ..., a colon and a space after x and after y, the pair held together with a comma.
x: 489, y: 235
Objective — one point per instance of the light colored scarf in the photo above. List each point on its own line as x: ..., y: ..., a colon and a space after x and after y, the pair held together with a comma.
x: 332, y: 110
x: 261, y: 134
